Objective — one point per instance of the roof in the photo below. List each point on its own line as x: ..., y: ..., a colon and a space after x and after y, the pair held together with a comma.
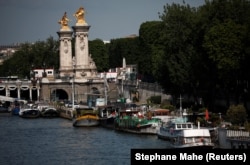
x: 6, y: 98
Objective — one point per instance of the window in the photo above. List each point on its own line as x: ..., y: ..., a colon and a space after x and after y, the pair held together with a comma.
x: 50, y: 72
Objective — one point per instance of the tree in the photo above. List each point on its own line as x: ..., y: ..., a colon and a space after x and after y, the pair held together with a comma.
x: 151, y: 49
x: 98, y: 52
x: 178, y: 34
x: 237, y: 114
x: 224, y: 32
x: 223, y: 44
x: 32, y: 55
x: 123, y: 48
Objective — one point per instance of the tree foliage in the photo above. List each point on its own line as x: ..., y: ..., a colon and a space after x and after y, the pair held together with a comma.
x: 98, y: 52
x: 123, y: 48
x: 151, y: 50
x: 224, y: 46
x: 38, y: 55
x: 237, y: 114
x: 179, y: 21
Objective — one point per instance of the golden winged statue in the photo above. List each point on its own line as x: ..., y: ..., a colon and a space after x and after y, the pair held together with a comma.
x: 80, y: 16
x: 64, y: 22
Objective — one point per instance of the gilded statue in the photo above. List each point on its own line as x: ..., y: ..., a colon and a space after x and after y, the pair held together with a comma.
x: 64, y: 21
x: 80, y: 16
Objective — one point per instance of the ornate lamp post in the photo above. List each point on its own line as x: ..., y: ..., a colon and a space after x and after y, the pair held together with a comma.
x: 73, y: 79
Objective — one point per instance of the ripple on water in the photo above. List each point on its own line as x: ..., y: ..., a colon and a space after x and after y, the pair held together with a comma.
x: 55, y: 141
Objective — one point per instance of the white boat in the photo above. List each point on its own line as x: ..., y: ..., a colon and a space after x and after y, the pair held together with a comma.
x: 29, y: 112
x: 66, y: 113
x: 49, y: 112
x: 183, y: 134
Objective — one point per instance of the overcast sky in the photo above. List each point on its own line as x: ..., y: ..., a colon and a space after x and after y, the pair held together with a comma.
x: 37, y: 20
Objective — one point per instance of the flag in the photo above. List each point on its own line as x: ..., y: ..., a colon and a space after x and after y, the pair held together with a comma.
x: 206, y: 115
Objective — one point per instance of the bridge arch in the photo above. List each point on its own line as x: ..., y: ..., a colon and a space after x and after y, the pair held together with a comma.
x: 59, y: 94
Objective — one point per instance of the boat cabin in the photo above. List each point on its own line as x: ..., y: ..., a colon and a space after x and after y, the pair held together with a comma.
x: 83, y: 111
x: 163, y: 114
x: 181, y: 126
x: 107, y: 110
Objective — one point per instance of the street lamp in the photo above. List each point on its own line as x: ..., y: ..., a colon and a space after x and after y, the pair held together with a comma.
x: 73, y: 79
x: 73, y: 93
x: 88, y: 94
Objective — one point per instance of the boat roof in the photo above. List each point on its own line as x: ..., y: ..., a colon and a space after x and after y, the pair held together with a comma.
x: 187, y: 125
x: 160, y: 110
x: 195, y: 132
x: 6, y: 98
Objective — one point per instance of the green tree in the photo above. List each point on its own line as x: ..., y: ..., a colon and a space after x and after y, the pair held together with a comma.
x: 127, y: 48
x: 151, y: 49
x: 178, y: 34
x: 223, y: 34
x: 98, y: 52
x: 237, y: 114
x: 224, y: 46
x: 32, y: 56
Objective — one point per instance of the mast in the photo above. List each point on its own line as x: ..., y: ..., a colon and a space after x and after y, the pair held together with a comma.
x: 123, y: 73
x: 106, y: 88
x: 180, y: 105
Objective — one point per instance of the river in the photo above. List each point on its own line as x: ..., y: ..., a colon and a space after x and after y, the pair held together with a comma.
x: 54, y: 141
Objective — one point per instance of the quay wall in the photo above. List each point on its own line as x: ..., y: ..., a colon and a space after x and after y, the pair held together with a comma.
x: 144, y: 90
x: 233, y: 139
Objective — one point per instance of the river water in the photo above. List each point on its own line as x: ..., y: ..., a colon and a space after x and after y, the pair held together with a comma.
x: 54, y: 141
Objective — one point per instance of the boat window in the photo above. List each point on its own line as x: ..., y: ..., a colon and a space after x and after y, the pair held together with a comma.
x: 178, y: 126
x: 189, y: 140
x: 184, y: 126
x: 189, y: 125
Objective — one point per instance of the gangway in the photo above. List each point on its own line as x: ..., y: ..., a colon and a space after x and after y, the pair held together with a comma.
x: 6, y: 98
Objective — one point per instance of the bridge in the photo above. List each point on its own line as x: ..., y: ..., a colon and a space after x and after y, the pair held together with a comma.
x: 82, y: 91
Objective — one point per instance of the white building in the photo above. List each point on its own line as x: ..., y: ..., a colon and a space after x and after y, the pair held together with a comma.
x: 117, y: 73
x: 39, y: 73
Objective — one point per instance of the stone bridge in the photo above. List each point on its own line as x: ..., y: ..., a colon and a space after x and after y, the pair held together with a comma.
x: 83, y: 90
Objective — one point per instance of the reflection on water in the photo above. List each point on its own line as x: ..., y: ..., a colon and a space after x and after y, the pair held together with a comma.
x: 56, y: 141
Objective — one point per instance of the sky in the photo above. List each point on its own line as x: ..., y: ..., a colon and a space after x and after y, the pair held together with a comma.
x: 37, y: 20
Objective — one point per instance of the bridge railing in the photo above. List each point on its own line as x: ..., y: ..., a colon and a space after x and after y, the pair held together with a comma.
x: 142, y: 85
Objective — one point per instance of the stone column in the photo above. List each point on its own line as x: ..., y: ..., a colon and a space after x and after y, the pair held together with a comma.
x: 81, y: 48
x: 30, y: 92
x: 18, y: 92
x: 7, y: 93
x: 65, y: 37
